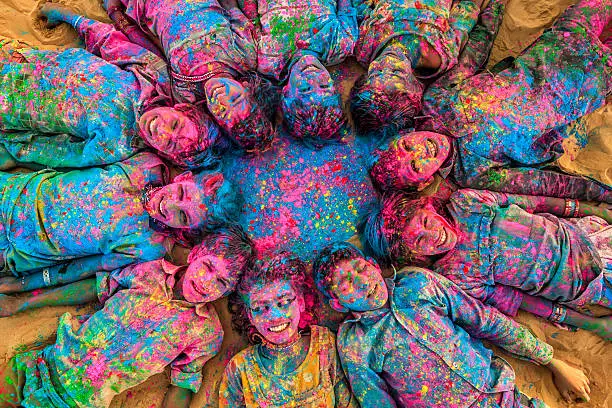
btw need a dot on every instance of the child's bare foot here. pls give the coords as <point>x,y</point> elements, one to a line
<point>9,305</point>
<point>55,13</point>
<point>571,382</point>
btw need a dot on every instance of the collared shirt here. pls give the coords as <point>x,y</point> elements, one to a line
<point>49,218</point>
<point>72,108</point>
<point>326,29</point>
<point>424,349</point>
<point>139,332</point>
<point>504,250</point>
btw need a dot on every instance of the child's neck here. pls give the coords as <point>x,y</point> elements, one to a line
<point>287,359</point>
<point>177,289</point>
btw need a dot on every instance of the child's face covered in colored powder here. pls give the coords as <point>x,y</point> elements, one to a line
<point>358,286</point>
<point>391,72</point>
<point>228,101</point>
<point>310,81</point>
<point>181,204</point>
<point>169,131</point>
<point>411,160</point>
<point>275,309</point>
<point>208,278</point>
<point>428,233</point>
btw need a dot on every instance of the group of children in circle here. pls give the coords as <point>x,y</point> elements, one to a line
<point>410,340</point>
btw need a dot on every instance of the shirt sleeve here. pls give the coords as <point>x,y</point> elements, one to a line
<point>367,385</point>
<point>342,390</point>
<point>487,323</point>
<point>230,392</point>
<point>337,38</point>
<point>108,283</point>
<point>186,370</point>
<point>462,19</point>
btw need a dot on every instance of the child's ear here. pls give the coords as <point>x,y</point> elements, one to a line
<point>422,185</point>
<point>212,183</point>
<point>335,304</point>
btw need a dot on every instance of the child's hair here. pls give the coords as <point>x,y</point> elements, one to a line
<point>382,227</point>
<point>373,110</point>
<point>210,146</point>
<point>282,266</point>
<point>315,122</point>
<point>229,242</point>
<point>257,131</point>
<point>328,259</point>
<point>223,208</point>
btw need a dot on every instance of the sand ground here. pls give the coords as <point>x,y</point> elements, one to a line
<point>523,22</point>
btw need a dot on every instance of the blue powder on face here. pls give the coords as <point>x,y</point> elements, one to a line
<point>300,199</point>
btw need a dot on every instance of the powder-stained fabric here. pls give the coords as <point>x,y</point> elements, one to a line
<point>139,332</point>
<point>72,108</point>
<point>424,350</point>
<point>326,29</point>
<point>444,25</point>
<point>317,382</point>
<point>52,218</point>
<point>503,251</point>
<point>515,115</point>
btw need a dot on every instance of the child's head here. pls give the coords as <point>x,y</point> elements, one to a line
<point>388,94</point>
<point>274,300</point>
<point>348,279</point>
<point>409,231</point>
<point>243,109</point>
<point>216,264</point>
<point>182,134</point>
<point>192,203</point>
<point>409,161</point>
<point>311,104</point>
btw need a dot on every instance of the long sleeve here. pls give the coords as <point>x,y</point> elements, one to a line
<point>230,392</point>
<point>342,391</point>
<point>462,19</point>
<point>485,322</point>
<point>339,36</point>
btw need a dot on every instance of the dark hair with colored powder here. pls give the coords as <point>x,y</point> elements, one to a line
<point>373,110</point>
<point>282,266</point>
<point>257,131</point>
<point>223,208</point>
<point>328,259</point>
<point>316,123</point>
<point>382,227</point>
<point>229,242</point>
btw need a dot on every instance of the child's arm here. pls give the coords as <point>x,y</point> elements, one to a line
<point>462,19</point>
<point>540,183</point>
<point>337,38</point>
<point>105,41</point>
<point>343,395</point>
<point>177,397</point>
<point>472,59</point>
<point>76,293</point>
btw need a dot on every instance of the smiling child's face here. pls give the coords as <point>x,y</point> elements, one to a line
<point>358,286</point>
<point>275,309</point>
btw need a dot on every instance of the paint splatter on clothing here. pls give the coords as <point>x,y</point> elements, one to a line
<point>503,251</point>
<point>326,29</point>
<point>441,24</point>
<point>198,37</point>
<point>299,199</point>
<point>423,350</point>
<point>318,382</point>
<point>139,332</point>
<point>76,109</point>
<point>51,218</point>
<point>515,116</point>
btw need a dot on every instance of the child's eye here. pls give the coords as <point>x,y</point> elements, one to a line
<point>285,302</point>
<point>180,192</point>
<point>413,166</point>
<point>223,282</point>
<point>183,218</point>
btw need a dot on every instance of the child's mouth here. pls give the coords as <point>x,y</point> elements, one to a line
<point>432,147</point>
<point>371,291</point>
<point>442,238</point>
<point>279,328</point>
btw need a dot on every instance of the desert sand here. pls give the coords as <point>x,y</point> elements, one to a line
<point>523,22</point>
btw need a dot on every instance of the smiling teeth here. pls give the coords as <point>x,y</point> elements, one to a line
<point>279,328</point>
<point>371,291</point>
<point>432,147</point>
<point>442,237</point>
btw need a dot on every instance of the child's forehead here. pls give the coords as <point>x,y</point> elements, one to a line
<point>269,291</point>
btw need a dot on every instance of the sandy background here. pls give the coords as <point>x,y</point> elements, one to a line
<point>523,22</point>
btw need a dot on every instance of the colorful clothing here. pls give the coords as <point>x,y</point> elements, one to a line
<point>503,251</point>
<point>199,38</point>
<point>442,24</point>
<point>73,108</point>
<point>317,382</point>
<point>515,116</point>
<point>423,350</point>
<point>51,218</point>
<point>326,29</point>
<point>139,332</point>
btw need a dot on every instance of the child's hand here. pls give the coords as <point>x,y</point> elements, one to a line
<point>571,382</point>
<point>55,13</point>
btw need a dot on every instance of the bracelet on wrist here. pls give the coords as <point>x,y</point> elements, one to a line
<point>558,314</point>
